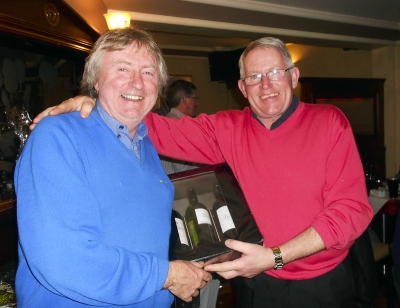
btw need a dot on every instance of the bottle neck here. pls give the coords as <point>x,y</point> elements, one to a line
<point>193,201</point>
<point>192,197</point>
<point>218,196</point>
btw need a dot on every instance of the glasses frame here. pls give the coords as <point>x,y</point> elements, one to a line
<point>267,75</point>
<point>194,97</point>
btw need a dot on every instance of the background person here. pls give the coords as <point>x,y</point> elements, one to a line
<point>301,174</point>
<point>181,97</point>
<point>94,204</point>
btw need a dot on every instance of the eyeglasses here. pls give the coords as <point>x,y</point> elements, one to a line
<point>274,75</point>
<point>194,97</point>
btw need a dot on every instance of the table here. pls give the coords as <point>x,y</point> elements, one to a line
<point>377,203</point>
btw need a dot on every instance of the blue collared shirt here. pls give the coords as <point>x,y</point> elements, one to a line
<point>122,132</point>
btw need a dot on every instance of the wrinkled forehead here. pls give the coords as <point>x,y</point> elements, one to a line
<point>135,47</point>
<point>268,57</point>
<point>141,47</point>
<point>264,51</point>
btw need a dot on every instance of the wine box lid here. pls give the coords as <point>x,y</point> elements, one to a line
<point>203,180</point>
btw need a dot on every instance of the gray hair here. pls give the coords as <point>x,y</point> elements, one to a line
<point>266,42</point>
<point>177,90</point>
<point>119,39</point>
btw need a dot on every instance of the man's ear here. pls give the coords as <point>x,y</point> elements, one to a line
<point>295,75</point>
<point>183,100</point>
<point>242,88</point>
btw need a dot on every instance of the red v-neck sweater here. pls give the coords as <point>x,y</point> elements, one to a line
<point>306,172</point>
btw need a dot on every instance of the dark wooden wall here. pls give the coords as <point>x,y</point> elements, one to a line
<point>370,146</point>
<point>49,28</point>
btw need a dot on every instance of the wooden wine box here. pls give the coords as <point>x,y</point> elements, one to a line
<point>203,181</point>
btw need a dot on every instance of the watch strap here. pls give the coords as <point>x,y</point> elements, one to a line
<point>278,258</point>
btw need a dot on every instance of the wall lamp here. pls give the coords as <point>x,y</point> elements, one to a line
<point>118,20</point>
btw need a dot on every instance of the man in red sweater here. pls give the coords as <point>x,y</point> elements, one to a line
<point>300,171</point>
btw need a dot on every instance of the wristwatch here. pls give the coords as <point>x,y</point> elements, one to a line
<point>278,258</point>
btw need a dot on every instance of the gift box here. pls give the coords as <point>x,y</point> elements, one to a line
<point>209,207</point>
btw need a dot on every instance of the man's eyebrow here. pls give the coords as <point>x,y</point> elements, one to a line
<point>121,61</point>
<point>149,66</point>
<point>258,71</point>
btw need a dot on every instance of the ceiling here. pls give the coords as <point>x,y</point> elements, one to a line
<point>201,26</point>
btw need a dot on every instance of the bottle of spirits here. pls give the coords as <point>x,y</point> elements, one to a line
<point>199,221</point>
<point>223,214</point>
<point>181,227</point>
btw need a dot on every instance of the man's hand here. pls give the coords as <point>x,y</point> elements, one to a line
<point>84,104</point>
<point>254,260</point>
<point>186,278</point>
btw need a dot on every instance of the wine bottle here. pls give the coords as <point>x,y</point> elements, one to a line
<point>181,226</point>
<point>199,221</point>
<point>223,214</point>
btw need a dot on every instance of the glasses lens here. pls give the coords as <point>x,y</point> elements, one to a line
<point>252,80</point>
<point>273,75</point>
<point>276,74</point>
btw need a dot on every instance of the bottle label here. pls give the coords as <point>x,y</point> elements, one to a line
<point>225,219</point>
<point>203,217</point>
<point>193,233</point>
<point>181,231</point>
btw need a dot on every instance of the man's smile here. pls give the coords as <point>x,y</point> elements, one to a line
<point>132,97</point>
<point>270,95</point>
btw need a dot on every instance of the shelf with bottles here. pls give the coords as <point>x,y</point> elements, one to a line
<point>209,207</point>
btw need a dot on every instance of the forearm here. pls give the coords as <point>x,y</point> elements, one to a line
<point>256,259</point>
<point>303,245</point>
<point>171,138</point>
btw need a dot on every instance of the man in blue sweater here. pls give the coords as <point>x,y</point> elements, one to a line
<point>94,204</point>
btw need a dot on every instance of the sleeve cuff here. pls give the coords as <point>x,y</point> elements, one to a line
<point>163,268</point>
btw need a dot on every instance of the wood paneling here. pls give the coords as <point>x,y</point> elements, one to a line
<point>371,146</point>
<point>51,22</point>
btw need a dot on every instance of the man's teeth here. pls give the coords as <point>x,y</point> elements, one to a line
<point>132,97</point>
<point>270,95</point>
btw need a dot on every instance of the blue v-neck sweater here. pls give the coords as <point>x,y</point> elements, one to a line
<point>93,219</point>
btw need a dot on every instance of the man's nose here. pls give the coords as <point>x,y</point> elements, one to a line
<point>136,81</point>
<point>265,82</point>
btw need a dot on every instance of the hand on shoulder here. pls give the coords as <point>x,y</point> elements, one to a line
<point>81,103</point>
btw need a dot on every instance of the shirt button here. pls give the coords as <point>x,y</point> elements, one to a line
<point>119,136</point>
<point>121,127</point>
